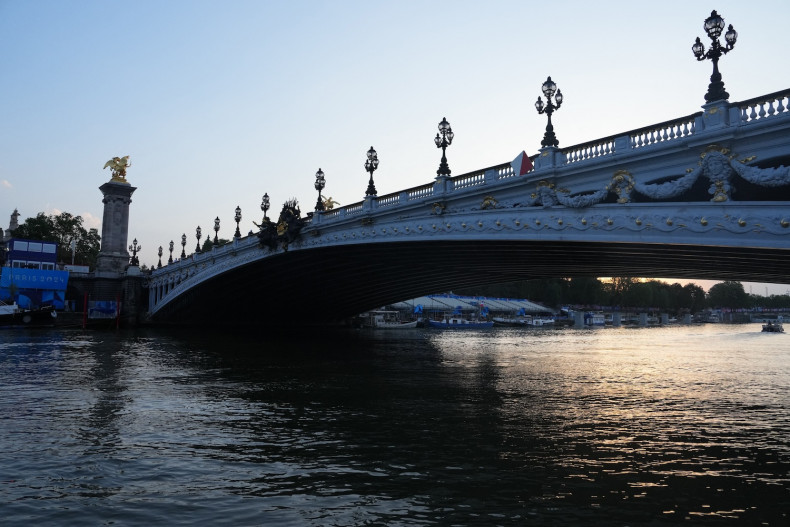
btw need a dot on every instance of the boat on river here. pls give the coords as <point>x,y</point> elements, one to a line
<point>459,322</point>
<point>773,327</point>
<point>523,321</point>
<point>384,319</point>
<point>11,315</point>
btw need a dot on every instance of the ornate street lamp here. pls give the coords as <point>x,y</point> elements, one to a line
<point>320,183</point>
<point>159,265</point>
<point>183,245</point>
<point>170,260</point>
<point>371,165</point>
<point>265,205</point>
<point>135,249</point>
<point>237,217</point>
<point>198,234</point>
<point>549,89</point>
<point>443,141</point>
<point>714,25</point>
<point>216,230</point>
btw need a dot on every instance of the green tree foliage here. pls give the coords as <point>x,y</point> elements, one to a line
<point>728,294</point>
<point>209,243</point>
<point>63,228</point>
<point>771,302</point>
<point>693,298</point>
<point>621,292</point>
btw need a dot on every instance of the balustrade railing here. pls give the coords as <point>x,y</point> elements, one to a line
<point>420,192</point>
<point>389,199</point>
<point>773,104</point>
<point>663,132</point>
<point>590,150</point>
<point>355,208</point>
<point>473,179</point>
<point>506,171</point>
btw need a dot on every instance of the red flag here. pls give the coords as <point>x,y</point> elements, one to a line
<point>522,164</point>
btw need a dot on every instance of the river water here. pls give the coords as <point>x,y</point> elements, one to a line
<point>626,426</point>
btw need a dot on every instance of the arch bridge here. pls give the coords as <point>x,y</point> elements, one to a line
<point>704,196</point>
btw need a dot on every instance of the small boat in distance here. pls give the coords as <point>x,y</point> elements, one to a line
<point>594,319</point>
<point>523,321</point>
<point>773,327</point>
<point>383,319</point>
<point>459,322</point>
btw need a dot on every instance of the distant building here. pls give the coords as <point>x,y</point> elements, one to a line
<point>30,277</point>
<point>12,225</point>
<point>32,254</point>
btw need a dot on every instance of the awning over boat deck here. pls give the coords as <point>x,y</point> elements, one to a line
<point>448,302</point>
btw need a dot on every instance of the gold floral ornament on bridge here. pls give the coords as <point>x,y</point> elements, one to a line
<point>489,202</point>
<point>622,184</point>
<point>118,166</point>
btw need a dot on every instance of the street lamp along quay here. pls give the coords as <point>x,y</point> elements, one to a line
<point>159,265</point>
<point>714,25</point>
<point>198,234</point>
<point>237,217</point>
<point>320,183</point>
<point>443,141</point>
<point>549,88</point>
<point>183,245</point>
<point>216,231</point>
<point>170,259</point>
<point>371,165</point>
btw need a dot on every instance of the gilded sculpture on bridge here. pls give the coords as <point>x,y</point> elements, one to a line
<point>118,166</point>
<point>285,231</point>
<point>329,203</point>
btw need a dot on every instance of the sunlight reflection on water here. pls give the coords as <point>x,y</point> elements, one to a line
<point>425,427</point>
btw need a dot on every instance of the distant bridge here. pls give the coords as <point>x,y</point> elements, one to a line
<point>702,196</point>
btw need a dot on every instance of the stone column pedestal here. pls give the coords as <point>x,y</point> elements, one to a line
<point>113,256</point>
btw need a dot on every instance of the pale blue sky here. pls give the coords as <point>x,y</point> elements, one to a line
<point>219,102</point>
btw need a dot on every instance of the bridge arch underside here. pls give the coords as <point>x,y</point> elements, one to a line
<point>329,285</point>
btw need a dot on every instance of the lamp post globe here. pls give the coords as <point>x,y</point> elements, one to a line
<point>135,248</point>
<point>198,234</point>
<point>183,245</point>
<point>216,230</point>
<point>265,205</point>
<point>170,259</point>
<point>237,217</point>
<point>443,139</point>
<point>549,89</point>
<point>319,185</point>
<point>159,265</point>
<point>371,164</point>
<point>713,26</point>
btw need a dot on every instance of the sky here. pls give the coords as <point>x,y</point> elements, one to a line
<point>218,102</point>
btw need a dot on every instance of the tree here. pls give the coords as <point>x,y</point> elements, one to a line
<point>63,228</point>
<point>640,295</point>
<point>693,297</point>
<point>728,294</point>
<point>586,290</point>
<point>209,243</point>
